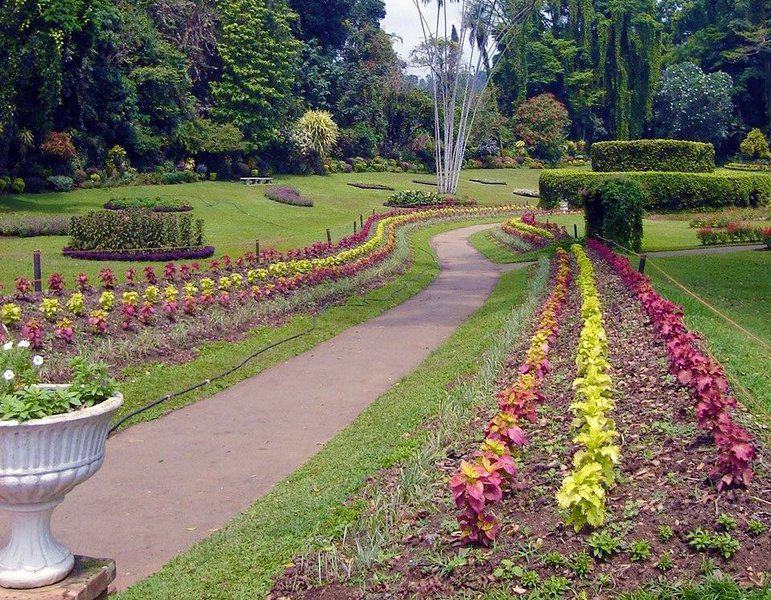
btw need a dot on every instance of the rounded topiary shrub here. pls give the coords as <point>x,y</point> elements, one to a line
<point>613,210</point>
<point>653,155</point>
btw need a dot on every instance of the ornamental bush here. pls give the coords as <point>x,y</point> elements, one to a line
<point>134,229</point>
<point>415,198</point>
<point>653,155</point>
<point>614,211</point>
<point>755,146</point>
<point>664,191</point>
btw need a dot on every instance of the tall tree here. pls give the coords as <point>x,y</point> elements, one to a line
<point>601,58</point>
<point>259,62</point>
<point>733,36</point>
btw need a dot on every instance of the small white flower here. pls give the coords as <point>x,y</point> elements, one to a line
<point>8,346</point>
<point>37,360</point>
<point>9,375</point>
<point>24,344</point>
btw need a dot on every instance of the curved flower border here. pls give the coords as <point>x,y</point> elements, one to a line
<point>480,481</point>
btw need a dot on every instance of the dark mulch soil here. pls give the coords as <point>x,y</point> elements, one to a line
<point>488,181</point>
<point>662,481</point>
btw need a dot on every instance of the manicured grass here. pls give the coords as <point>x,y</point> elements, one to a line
<point>240,560</point>
<point>143,384</point>
<point>496,252</point>
<point>236,215</point>
<point>737,284</point>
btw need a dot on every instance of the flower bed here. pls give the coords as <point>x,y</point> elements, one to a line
<point>537,235</point>
<point>734,233</point>
<point>149,298</point>
<point>697,370</point>
<point>370,186</point>
<point>159,255</point>
<point>287,195</point>
<point>481,481</point>
<point>582,495</point>
<point>666,525</point>
<point>156,204</point>
<point>33,226</point>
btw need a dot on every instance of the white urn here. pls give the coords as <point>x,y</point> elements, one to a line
<point>41,461</point>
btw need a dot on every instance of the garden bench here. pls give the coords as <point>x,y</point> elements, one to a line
<point>256,180</point>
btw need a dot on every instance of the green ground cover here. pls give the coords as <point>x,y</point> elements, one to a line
<point>737,284</point>
<point>240,560</point>
<point>237,215</point>
<point>143,384</point>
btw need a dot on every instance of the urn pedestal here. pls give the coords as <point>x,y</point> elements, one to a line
<point>40,462</point>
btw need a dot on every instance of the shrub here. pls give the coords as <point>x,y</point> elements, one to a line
<point>60,183</point>
<point>414,198</point>
<point>664,191</point>
<point>614,210</point>
<point>58,145</point>
<point>653,155</point>
<point>174,177</point>
<point>542,122</point>
<point>17,186</point>
<point>287,195</point>
<point>315,133</point>
<point>755,146</point>
<point>156,204</point>
<point>134,229</point>
<point>24,226</point>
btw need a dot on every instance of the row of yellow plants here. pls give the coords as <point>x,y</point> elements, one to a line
<point>520,225</point>
<point>582,495</point>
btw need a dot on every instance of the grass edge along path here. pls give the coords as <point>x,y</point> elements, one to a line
<point>242,559</point>
<point>150,381</point>
<point>743,359</point>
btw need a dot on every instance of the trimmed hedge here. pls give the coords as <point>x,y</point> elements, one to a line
<point>653,155</point>
<point>664,191</point>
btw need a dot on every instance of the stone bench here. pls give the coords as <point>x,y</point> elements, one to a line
<point>256,180</point>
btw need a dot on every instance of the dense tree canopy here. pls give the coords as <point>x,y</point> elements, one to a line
<point>225,82</point>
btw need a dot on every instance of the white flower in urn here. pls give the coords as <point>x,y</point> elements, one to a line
<point>24,344</point>
<point>37,360</point>
<point>9,375</point>
<point>8,346</point>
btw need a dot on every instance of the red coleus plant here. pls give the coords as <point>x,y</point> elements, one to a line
<point>696,370</point>
<point>109,280</point>
<point>480,481</point>
<point>56,284</point>
<point>23,287</point>
<point>32,331</point>
<point>81,282</point>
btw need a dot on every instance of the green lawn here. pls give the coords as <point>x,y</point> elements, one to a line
<point>739,285</point>
<point>241,560</point>
<point>237,215</point>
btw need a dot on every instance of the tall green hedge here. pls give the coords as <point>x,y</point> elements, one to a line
<point>653,155</point>
<point>664,191</point>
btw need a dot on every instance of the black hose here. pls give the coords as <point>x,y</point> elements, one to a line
<point>222,375</point>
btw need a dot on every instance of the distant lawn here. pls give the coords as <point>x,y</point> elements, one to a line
<point>738,284</point>
<point>237,215</point>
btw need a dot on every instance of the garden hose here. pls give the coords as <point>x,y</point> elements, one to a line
<point>222,375</point>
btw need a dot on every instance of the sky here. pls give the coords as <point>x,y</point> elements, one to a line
<point>402,19</point>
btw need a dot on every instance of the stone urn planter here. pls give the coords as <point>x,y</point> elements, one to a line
<point>40,461</point>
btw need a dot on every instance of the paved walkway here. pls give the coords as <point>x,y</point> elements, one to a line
<point>169,483</point>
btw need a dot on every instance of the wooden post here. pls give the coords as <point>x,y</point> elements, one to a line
<point>257,250</point>
<point>38,271</point>
<point>361,221</point>
<point>354,227</point>
<point>575,230</point>
<point>641,266</point>
<point>329,237</point>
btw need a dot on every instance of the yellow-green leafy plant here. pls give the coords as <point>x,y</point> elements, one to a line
<point>76,304</point>
<point>315,132</point>
<point>107,300</point>
<point>50,307</point>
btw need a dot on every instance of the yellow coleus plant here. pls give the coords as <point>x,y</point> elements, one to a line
<point>582,495</point>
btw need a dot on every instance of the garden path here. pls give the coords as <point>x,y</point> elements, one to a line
<point>168,483</point>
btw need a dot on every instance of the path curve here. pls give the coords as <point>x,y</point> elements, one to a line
<point>169,483</point>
